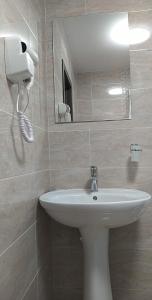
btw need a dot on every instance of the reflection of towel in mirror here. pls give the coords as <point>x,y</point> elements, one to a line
<point>67,116</point>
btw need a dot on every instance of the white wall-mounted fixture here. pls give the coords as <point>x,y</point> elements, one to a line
<point>20,63</point>
<point>19,60</point>
<point>135,150</point>
<point>94,213</point>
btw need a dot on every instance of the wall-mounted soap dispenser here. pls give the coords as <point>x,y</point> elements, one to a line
<point>20,63</point>
<point>135,150</point>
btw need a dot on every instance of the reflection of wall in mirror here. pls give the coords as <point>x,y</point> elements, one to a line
<point>93,99</point>
<point>61,52</point>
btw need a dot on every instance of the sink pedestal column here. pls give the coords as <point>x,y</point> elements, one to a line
<point>96,272</point>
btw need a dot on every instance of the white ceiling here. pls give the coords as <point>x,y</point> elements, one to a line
<point>91,47</point>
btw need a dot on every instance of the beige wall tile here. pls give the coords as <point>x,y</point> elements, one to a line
<point>68,140</point>
<point>132,294</point>
<point>18,266</point>
<point>93,101</point>
<point>14,159</point>
<point>44,283</point>
<point>67,293</point>
<point>70,256</point>
<point>141,69</point>
<point>84,110</point>
<point>67,268</point>
<point>43,240</point>
<point>84,86</point>
<point>142,20</point>
<point>18,205</point>
<point>111,148</point>
<point>72,178</point>
<point>41,151</point>
<point>23,158</point>
<point>64,8</point>
<point>131,269</point>
<point>22,6</point>
<point>72,277</point>
<point>132,176</point>
<point>31,293</point>
<point>117,5</point>
<point>141,103</point>
<point>5,120</point>
<point>66,148</point>
<point>9,12</point>
<point>131,237</point>
<point>64,236</point>
<point>70,158</point>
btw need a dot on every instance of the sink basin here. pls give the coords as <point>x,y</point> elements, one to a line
<point>94,214</point>
<point>108,207</point>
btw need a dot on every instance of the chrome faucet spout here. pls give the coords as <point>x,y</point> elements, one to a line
<point>94,185</point>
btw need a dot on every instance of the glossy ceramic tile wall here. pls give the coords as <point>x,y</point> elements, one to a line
<point>93,103</point>
<point>24,171</point>
<point>74,147</point>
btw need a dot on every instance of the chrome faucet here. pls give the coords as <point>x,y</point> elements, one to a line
<point>94,185</point>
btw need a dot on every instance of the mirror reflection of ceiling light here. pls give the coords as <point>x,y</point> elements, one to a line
<point>121,34</point>
<point>116,91</point>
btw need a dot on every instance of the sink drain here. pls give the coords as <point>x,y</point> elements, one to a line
<point>95,198</point>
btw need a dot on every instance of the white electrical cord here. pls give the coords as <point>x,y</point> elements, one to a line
<point>24,123</point>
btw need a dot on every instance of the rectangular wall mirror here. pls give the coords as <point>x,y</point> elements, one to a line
<point>91,68</point>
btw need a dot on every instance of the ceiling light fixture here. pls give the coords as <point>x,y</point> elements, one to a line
<point>138,35</point>
<point>120,34</point>
<point>115,91</point>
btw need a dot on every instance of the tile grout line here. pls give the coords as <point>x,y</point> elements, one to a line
<point>85,7</point>
<point>25,174</point>
<point>102,168</point>
<point>16,240</point>
<point>99,11</point>
<point>30,284</point>
<point>26,22</point>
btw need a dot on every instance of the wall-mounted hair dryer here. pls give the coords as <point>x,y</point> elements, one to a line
<point>20,63</point>
<point>19,59</point>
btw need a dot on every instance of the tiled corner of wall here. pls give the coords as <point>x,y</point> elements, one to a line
<point>24,168</point>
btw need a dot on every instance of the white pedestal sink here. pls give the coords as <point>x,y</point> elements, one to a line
<point>94,214</point>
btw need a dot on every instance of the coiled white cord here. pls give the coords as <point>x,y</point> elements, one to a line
<point>25,127</point>
<point>24,123</point>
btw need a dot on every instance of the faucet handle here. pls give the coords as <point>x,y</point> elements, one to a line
<point>93,171</point>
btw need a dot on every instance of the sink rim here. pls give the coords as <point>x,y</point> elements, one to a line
<point>45,198</point>
<point>89,214</point>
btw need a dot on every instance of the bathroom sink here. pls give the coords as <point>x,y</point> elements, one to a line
<point>107,207</point>
<point>94,214</point>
